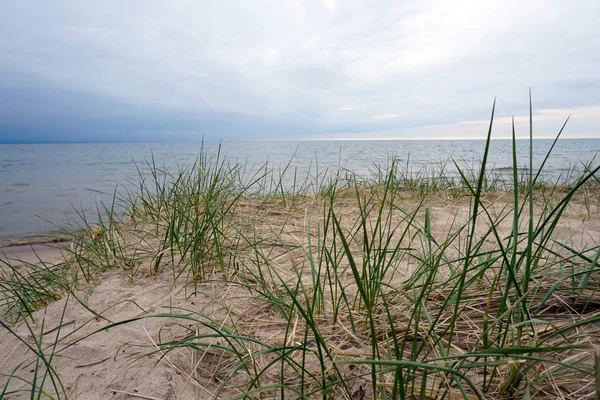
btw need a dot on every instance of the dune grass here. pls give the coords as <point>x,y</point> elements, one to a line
<point>363,296</point>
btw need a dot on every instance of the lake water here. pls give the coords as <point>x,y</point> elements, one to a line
<point>40,184</point>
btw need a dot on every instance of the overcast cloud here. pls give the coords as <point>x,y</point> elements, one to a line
<point>157,70</point>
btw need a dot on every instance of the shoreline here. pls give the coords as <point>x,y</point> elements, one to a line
<point>37,240</point>
<point>32,254</point>
<point>39,207</point>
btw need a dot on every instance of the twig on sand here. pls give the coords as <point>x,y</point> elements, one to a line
<point>141,396</point>
<point>94,363</point>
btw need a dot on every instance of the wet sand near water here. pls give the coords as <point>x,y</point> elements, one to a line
<point>31,254</point>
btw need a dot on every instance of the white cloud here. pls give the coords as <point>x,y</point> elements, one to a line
<point>584,122</point>
<point>330,4</point>
<point>385,116</point>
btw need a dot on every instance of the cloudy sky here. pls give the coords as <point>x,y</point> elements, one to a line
<point>381,69</point>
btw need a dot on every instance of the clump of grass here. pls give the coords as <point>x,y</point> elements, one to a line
<point>28,286</point>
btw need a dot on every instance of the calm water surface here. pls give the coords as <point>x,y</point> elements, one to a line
<point>41,184</point>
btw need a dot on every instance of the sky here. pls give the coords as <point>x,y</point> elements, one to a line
<point>74,71</point>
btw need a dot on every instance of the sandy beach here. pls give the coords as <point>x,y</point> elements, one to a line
<point>147,325</point>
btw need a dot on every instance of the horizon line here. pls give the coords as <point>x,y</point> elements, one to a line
<point>294,140</point>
